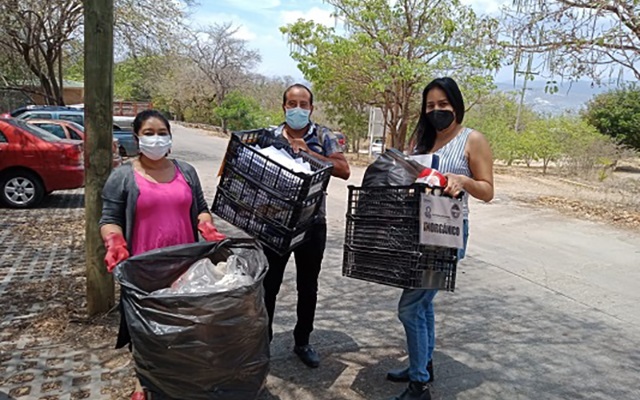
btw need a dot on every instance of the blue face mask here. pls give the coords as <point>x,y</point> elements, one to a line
<point>297,118</point>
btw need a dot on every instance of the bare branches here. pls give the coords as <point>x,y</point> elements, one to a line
<point>149,26</point>
<point>576,37</point>
<point>222,59</point>
<point>36,31</point>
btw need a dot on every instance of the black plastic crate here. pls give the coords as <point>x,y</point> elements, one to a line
<point>432,267</point>
<point>395,234</point>
<point>382,240</point>
<point>387,201</point>
<point>289,185</point>
<point>266,203</point>
<point>279,239</point>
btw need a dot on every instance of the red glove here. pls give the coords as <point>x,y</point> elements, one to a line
<point>432,178</point>
<point>116,250</point>
<point>209,232</point>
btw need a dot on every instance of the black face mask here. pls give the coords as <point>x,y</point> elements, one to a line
<point>440,119</point>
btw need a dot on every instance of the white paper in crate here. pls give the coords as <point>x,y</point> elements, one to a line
<point>283,158</point>
<point>428,160</point>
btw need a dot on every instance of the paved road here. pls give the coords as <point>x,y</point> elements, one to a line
<point>546,307</point>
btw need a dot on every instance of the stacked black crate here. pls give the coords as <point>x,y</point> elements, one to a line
<point>382,240</point>
<point>271,202</point>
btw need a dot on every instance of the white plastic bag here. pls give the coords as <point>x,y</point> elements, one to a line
<point>205,277</point>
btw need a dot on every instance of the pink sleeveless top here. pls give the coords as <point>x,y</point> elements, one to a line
<point>162,216</point>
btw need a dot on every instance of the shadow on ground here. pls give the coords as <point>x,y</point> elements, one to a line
<point>498,337</point>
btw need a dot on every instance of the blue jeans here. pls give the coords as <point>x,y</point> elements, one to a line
<point>415,311</point>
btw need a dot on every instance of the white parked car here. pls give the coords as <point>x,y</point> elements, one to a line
<point>377,146</point>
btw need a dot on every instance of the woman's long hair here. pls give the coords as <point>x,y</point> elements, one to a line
<point>425,134</point>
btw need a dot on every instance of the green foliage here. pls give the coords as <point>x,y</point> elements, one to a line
<point>584,149</point>
<point>576,147</point>
<point>132,78</point>
<point>389,53</point>
<point>568,141</point>
<point>73,61</point>
<point>540,141</point>
<point>499,128</point>
<point>241,112</point>
<point>75,72</point>
<point>617,114</point>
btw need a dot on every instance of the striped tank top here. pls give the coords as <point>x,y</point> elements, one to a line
<point>453,160</point>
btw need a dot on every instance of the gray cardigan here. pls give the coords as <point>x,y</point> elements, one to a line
<point>120,196</point>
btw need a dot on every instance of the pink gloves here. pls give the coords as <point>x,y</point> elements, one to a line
<point>116,250</point>
<point>210,233</point>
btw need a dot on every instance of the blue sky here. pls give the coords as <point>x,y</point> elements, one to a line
<point>259,22</point>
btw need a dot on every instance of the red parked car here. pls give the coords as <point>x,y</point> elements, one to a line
<point>71,130</point>
<point>33,163</point>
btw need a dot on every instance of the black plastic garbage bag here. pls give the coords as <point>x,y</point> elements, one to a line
<point>392,168</point>
<point>196,346</point>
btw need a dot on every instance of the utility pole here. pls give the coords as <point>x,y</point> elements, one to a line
<point>98,109</point>
<point>528,75</point>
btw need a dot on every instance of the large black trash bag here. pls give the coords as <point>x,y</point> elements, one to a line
<point>197,346</point>
<point>392,168</point>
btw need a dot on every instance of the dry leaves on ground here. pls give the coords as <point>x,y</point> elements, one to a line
<point>63,230</point>
<point>614,213</point>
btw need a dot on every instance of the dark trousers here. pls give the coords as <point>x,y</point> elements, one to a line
<point>308,257</point>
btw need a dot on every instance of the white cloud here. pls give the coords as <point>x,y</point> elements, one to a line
<point>250,5</point>
<point>245,33</point>
<point>275,56</point>
<point>242,26</point>
<point>316,14</point>
<point>265,38</point>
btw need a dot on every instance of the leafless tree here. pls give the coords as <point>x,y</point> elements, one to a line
<point>36,31</point>
<point>149,26</point>
<point>599,39</point>
<point>224,60</point>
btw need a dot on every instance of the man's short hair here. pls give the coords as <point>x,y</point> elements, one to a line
<point>300,86</point>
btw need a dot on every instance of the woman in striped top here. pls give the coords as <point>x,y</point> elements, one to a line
<point>466,161</point>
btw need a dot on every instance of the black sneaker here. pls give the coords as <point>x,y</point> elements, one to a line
<point>415,391</point>
<point>308,355</point>
<point>402,375</point>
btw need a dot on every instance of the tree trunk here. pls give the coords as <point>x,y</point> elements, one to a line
<point>61,76</point>
<point>402,134</point>
<point>53,81</point>
<point>98,70</point>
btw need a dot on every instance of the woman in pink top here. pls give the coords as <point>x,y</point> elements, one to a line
<point>152,202</point>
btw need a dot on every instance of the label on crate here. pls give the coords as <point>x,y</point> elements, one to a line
<point>441,221</point>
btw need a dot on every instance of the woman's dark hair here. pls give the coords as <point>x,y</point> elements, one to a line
<point>143,116</point>
<point>299,86</point>
<point>425,134</point>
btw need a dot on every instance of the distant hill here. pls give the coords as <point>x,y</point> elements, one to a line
<point>572,96</point>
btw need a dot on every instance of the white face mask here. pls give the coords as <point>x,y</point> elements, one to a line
<point>155,147</point>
